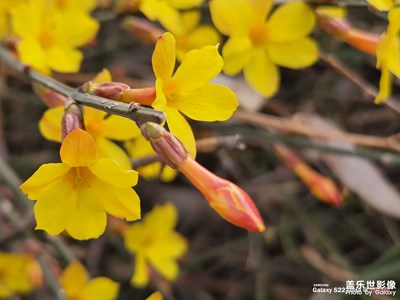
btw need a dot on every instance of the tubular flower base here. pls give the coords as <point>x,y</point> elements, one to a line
<point>75,195</point>
<point>227,199</point>
<point>359,39</point>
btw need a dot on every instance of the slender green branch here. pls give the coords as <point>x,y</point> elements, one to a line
<point>138,114</point>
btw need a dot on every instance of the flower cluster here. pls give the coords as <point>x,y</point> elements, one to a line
<point>47,41</point>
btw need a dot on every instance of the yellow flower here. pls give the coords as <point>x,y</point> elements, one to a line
<point>17,274</point>
<point>138,148</point>
<point>258,46</point>
<point>76,5</point>
<point>47,39</point>
<point>5,9</point>
<point>77,285</point>
<point>166,11</point>
<point>388,55</point>
<point>155,244</point>
<point>188,90</point>
<point>383,4</point>
<point>191,35</point>
<point>76,194</point>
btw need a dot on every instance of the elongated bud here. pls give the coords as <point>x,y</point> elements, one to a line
<point>227,199</point>
<point>142,29</point>
<point>340,28</point>
<point>320,186</point>
<point>72,118</point>
<point>109,90</point>
<point>166,145</point>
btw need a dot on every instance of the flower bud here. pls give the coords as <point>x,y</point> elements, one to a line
<point>320,186</point>
<point>166,145</point>
<point>49,97</point>
<point>227,199</point>
<point>109,90</point>
<point>72,118</point>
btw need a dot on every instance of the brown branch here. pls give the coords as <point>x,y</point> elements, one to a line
<point>368,89</point>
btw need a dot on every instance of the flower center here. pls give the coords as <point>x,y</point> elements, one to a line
<point>46,38</point>
<point>78,181</point>
<point>258,35</point>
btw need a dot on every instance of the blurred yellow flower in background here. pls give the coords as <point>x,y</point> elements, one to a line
<point>49,34</point>
<point>19,274</point>
<point>258,46</point>
<point>78,286</point>
<point>388,55</point>
<point>155,244</point>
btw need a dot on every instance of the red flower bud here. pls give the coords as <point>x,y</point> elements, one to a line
<point>72,118</point>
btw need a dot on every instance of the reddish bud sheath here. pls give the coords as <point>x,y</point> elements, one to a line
<point>72,118</point>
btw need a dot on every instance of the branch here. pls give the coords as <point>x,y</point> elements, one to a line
<point>137,114</point>
<point>367,88</point>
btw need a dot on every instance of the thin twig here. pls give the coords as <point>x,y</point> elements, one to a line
<point>293,126</point>
<point>367,88</point>
<point>139,114</point>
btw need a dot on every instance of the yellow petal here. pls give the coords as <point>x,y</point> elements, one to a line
<point>161,11</point>
<point>112,173</point>
<point>102,77</point>
<point>290,22</point>
<point>32,53</point>
<point>200,37</point>
<point>26,18</point>
<point>81,33</point>
<point>101,288</point>
<point>155,296</point>
<point>206,63</point>
<point>173,246</point>
<point>385,86</point>
<point>163,58</point>
<point>211,102</point>
<point>382,4</point>
<point>50,124</point>
<point>297,54</point>
<point>73,279</point>
<point>190,20</point>
<point>45,176</point>
<point>122,204</point>
<point>162,218</point>
<point>181,129</point>
<point>261,8</point>
<point>160,103</point>
<point>185,4</point>
<point>119,128</point>
<point>54,207</point>
<point>140,276</point>
<point>234,17</point>
<point>262,74</point>
<point>78,149</point>
<point>108,149</point>
<point>168,268</point>
<point>64,59</point>
<point>394,22</point>
<point>336,12</point>
<point>88,220</point>
<point>236,53</point>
